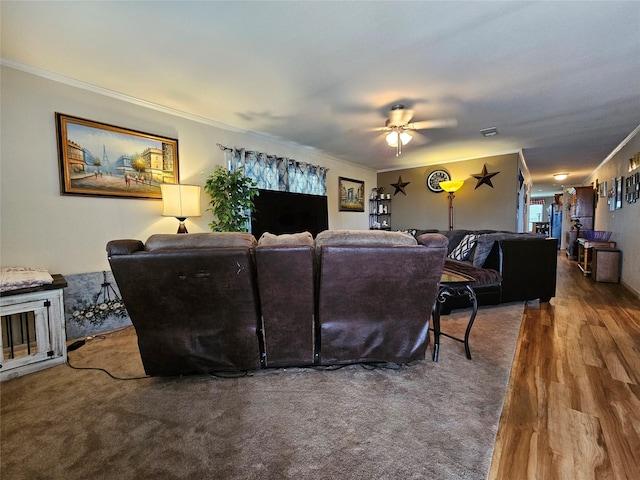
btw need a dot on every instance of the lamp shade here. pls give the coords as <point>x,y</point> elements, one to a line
<point>451,185</point>
<point>180,201</point>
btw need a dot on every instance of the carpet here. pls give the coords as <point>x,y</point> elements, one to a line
<point>425,420</point>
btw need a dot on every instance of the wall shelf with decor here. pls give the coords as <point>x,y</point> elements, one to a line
<point>380,213</point>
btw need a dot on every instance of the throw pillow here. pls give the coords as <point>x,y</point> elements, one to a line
<point>454,237</point>
<point>302,238</point>
<point>463,249</point>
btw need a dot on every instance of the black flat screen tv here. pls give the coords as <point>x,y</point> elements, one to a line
<point>285,212</point>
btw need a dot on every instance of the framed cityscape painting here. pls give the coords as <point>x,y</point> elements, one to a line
<point>98,159</point>
<point>351,195</point>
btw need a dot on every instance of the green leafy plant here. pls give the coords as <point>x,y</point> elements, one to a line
<point>231,199</point>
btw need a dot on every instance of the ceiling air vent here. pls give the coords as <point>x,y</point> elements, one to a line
<point>489,132</point>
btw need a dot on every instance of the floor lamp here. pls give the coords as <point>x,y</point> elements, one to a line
<point>451,186</point>
<point>180,201</point>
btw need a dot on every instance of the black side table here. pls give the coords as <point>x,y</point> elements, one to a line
<point>453,284</point>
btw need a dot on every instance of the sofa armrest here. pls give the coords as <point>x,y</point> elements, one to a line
<point>124,247</point>
<point>434,240</point>
<point>528,268</point>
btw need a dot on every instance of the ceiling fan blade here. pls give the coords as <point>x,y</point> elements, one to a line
<point>379,129</point>
<point>443,123</point>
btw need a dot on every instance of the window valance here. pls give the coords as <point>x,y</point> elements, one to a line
<point>271,172</point>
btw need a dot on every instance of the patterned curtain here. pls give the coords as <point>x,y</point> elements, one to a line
<point>278,173</point>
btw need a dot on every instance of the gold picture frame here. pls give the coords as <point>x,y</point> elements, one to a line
<point>98,159</point>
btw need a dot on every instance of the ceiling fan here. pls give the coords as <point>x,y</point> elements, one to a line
<point>399,123</point>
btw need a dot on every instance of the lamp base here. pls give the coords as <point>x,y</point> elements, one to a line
<point>451,197</point>
<point>182,228</point>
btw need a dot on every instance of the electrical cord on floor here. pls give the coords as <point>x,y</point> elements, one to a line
<point>230,374</point>
<point>79,343</point>
<point>383,366</point>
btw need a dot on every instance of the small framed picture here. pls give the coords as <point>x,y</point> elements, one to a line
<point>603,189</point>
<point>351,195</point>
<point>619,182</point>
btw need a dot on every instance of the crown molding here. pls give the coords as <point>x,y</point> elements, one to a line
<point>117,95</point>
<point>622,144</point>
<point>164,109</point>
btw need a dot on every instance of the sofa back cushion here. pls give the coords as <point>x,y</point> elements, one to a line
<point>303,238</point>
<point>199,240</point>
<point>371,238</point>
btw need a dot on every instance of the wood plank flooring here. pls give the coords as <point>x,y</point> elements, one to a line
<point>572,409</point>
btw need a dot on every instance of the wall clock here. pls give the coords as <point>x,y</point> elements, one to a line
<point>434,179</point>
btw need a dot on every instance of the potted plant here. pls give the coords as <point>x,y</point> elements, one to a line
<point>231,199</point>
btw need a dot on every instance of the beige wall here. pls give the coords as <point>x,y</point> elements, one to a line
<point>625,222</point>
<point>68,234</point>
<point>481,208</point>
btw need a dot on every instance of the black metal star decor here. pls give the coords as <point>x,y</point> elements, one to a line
<point>400,186</point>
<point>484,177</point>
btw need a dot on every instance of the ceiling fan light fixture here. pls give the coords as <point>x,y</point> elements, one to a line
<point>560,176</point>
<point>392,138</point>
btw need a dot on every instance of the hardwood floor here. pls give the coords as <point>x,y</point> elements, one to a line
<point>572,409</point>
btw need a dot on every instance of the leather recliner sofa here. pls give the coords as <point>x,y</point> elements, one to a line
<point>224,302</point>
<point>507,267</point>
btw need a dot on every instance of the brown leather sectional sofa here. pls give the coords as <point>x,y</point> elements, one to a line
<point>224,302</point>
<point>507,266</point>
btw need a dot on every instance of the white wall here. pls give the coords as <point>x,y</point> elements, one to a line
<point>68,234</point>
<point>625,222</point>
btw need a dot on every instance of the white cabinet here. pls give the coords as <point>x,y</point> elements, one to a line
<point>33,329</point>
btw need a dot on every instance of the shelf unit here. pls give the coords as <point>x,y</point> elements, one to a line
<point>380,213</point>
<point>582,207</point>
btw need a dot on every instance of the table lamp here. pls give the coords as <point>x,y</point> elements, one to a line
<point>180,201</point>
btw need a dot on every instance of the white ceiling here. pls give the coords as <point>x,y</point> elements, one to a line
<point>560,80</point>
